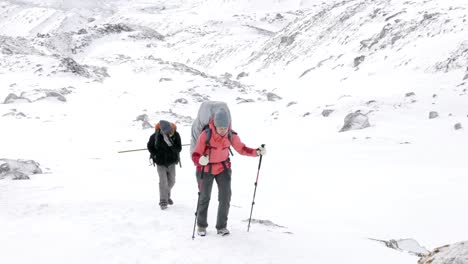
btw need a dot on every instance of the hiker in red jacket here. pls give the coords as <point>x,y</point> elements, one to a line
<point>212,156</point>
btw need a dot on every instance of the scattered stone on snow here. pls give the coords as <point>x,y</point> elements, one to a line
<point>181,101</point>
<point>327,112</point>
<point>433,114</point>
<point>143,117</point>
<point>264,222</point>
<point>91,72</point>
<point>18,169</point>
<point>272,97</point>
<point>242,75</point>
<point>354,121</point>
<point>408,245</point>
<point>15,113</point>
<point>359,60</point>
<point>146,125</point>
<point>244,100</point>
<point>13,98</point>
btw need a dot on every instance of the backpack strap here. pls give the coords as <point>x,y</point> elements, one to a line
<point>208,136</point>
<point>230,133</point>
<point>208,146</point>
<point>156,136</point>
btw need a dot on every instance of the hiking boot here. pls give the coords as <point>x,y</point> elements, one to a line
<point>223,231</point>
<point>170,202</point>
<point>163,204</point>
<point>201,231</point>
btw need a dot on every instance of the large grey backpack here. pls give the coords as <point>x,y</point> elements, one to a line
<point>205,114</point>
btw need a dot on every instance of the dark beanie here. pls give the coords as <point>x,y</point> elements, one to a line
<point>166,127</point>
<point>221,119</point>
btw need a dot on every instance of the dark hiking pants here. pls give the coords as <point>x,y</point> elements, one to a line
<point>166,181</point>
<point>223,180</point>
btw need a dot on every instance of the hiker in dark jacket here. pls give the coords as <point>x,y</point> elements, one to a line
<point>165,146</point>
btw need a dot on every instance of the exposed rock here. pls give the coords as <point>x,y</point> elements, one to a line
<point>82,31</point>
<point>226,75</point>
<point>147,33</point>
<point>291,103</point>
<point>17,45</point>
<point>114,28</point>
<point>70,65</point>
<point>433,114</point>
<point>262,31</point>
<point>359,60</point>
<point>17,175</point>
<point>15,114</point>
<point>408,245</point>
<point>13,98</point>
<point>410,94</point>
<point>327,112</point>
<point>242,75</point>
<point>55,95</point>
<point>146,125</point>
<point>163,79</point>
<point>18,169</point>
<point>143,117</point>
<point>230,84</point>
<point>457,126</point>
<point>181,101</point>
<point>264,222</point>
<point>457,59</point>
<point>273,97</point>
<point>355,120</point>
<point>288,40</point>
<point>449,254</point>
<point>244,100</point>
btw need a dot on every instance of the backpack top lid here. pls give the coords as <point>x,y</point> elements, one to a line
<point>157,127</point>
<point>205,115</point>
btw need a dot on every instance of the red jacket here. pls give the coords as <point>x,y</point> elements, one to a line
<point>218,150</point>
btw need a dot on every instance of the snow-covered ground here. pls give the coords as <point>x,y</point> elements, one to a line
<point>88,78</point>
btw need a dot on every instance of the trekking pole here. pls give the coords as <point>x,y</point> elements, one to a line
<point>131,150</point>
<point>255,190</point>
<point>200,186</point>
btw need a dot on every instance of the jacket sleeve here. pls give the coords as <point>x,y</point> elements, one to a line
<point>150,145</point>
<point>241,148</point>
<point>177,142</point>
<point>200,148</point>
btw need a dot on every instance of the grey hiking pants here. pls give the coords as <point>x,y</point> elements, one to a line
<point>223,180</point>
<point>166,181</point>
